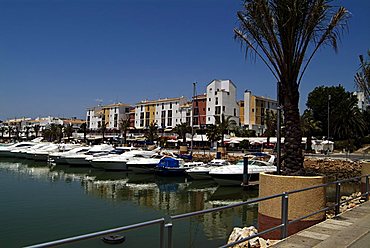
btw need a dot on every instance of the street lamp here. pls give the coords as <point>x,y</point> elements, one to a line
<point>329,98</point>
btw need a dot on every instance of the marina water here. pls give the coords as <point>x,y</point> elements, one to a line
<point>40,203</point>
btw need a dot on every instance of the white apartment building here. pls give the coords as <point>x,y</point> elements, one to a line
<point>221,99</point>
<point>255,109</point>
<point>164,112</point>
<point>110,114</point>
<point>363,103</point>
<point>94,118</point>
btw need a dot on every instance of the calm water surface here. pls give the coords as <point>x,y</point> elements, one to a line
<point>41,203</point>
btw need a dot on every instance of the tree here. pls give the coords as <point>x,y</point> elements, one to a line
<point>68,131</point>
<point>285,35</point>
<point>2,130</point>
<point>182,129</point>
<point>36,129</point>
<point>348,121</point>
<point>83,129</point>
<point>151,132</point>
<point>27,132</point>
<point>123,127</point>
<point>212,133</point>
<point>271,122</point>
<point>309,126</point>
<point>362,77</point>
<point>103,129</point>
<point>318,101</point>
<point>223,125</point>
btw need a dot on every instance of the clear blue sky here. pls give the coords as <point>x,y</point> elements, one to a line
<point>57,57</point>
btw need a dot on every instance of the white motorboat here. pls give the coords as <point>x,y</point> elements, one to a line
<point>6,151</point>
<point>80,159</point>
<point>24,153</point>
<point>60,157</point>
<point>42,154</point>
<point>201,171</point>
<point>119,162</point>
<point>115,152</point>
<point>144,164</point>
<point>232,175</point>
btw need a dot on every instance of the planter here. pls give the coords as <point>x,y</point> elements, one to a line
<point>365,170</point>
<point>300,204</point>
<point>222,150</point>
<point>183,149</point>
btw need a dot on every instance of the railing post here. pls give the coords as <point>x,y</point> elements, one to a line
<point>337,198</point>
<point>284,215</point>
<point>169,235</point>
<point>161,234</point>
<point>367,188</point>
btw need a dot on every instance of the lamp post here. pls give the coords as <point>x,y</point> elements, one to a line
<point>329,98</point>
<point>278,127</point>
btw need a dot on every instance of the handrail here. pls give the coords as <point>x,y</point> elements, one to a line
<point>283,226</point>
<point>103,233</point>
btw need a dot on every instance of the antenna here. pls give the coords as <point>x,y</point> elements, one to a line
<point>99,101</point>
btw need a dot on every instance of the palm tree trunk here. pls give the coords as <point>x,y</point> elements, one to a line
<point>293,162</point>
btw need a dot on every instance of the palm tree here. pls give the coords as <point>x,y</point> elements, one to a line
<point>36,129</point>
<point>348,121</point>
<point>2,130</point>
<point>103,129</point>
<point>68,131</point>
<point>309,126</point>
<point>182,129</point>
<point>213,133</point>
<point>83,129</point>
<point>285,35</point>
<point>362,77</point>
<point>10,131</point>
<point>223,124</point>
<point>151,132</point>
<point>271,121</point>
<point>27,132</point>
<point>123,127</point>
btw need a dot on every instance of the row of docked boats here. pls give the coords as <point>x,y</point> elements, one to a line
<point>157,161</point>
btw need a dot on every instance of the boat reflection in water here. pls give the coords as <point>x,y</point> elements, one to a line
<point>158,196</point>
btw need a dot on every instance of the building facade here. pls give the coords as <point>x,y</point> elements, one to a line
<point>165,113</point>
<point>221,100</point>
<point>255,109</point>
<point>111,115</point>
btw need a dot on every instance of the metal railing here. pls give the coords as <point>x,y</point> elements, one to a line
<point>160,222</point>
<point>283,226</point>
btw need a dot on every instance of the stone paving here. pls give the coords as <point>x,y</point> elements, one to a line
<point>349,229</point>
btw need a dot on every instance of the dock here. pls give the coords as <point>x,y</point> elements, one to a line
<point>349,229</point>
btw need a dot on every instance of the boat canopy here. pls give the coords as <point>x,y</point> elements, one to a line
<point>168,162</point>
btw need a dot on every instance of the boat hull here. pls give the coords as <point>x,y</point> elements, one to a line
<point>77,161</point>
<point>199,175</point>
<point>142,168</point>
<point>109,165</point>
<point>232,179</point>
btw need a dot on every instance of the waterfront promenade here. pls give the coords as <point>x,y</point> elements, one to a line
<point>349,229</point>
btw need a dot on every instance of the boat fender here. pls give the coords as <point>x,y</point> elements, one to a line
<point>114,239</point>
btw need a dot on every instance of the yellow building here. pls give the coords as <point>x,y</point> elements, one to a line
<point>255,109</point>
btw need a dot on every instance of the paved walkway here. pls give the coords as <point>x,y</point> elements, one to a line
<point>350,229</point>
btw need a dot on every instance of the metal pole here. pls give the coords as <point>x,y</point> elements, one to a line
<point>161,234</point>
<point>245,172</point>
<point>169,235</point>
<point>284,215</point>
<point>278,141</point>
<point>367,188</point>
<point>192,118</point>
<point>337,198</point>
<point>329,98</point>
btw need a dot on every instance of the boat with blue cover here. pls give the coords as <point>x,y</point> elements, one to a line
<point>169,166</point>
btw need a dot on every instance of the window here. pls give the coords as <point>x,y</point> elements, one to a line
<point>218,110</point>
<point>234,112</point>
<point>171,105</point>
<point>141,108</point>
<point>209,118</point>
<point>209,99</point>
<point>216,100</point>
<point>223,108</point>
<point>209,109</point>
